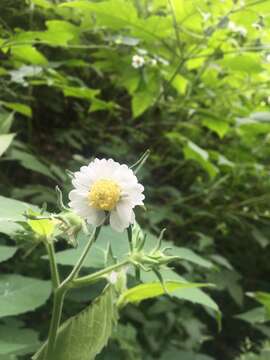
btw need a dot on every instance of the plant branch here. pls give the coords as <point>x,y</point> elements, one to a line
<point>75,271</point>
<point>55,321</point>
<point>90,279</point>
<point>53,264</point>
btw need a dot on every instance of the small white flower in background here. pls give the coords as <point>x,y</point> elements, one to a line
<point>257,26</point>
<point>138,61</point>
<point>153,62</point>
<point>141,51</point>
<point>163,61</point>
<point>106,187</point>
<point>237,29</point>
<point>112,277</point>
<point>206,16</point>
<point>267,58</point>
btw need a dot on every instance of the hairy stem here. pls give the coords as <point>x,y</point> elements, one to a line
<point>58,300</point>
<point>53,264</point>
<point>90,279</point>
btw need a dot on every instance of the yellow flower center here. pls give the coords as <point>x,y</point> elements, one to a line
<point>104,195</point>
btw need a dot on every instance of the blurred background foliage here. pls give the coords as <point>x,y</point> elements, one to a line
<point>187,79</point>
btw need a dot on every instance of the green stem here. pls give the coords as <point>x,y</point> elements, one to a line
<point>58,300</point>
<point>89,279</point>
<point>53,264</point>
<point>80,262</point>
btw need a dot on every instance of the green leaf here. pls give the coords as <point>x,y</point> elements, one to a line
<point>6,252</point>
<point>96,257</point>
<point>80,92</point>
<point>83,336</point>
<point>11,212</point>
<point>141,101</point>
<point>264,299</point>
<point>15,340</point>
<point>107,12</point>
<point>28,54</point>
<point>59,33</point>
<point>43,228</point>
<point>31,162</point>
<point>189,255</point>
<point>249,63</point>
<point>201,156</point>
<point>255,316</point>
<point>194,295</point>
<point>6,120</point>
<point>174,354</point>
<point>18,107</point>
<point>151,290</point>
<point>218,126</point>
<point>20,294</point>
<point>45,4</point>
<point>5,141</point>
<point>180,84</point>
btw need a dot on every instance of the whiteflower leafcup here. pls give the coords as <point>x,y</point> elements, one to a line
<point>105,187</point>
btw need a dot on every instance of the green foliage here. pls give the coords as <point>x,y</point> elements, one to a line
<point>6,252</point>
<point>84,336</point>
<point>19,294</point>
<point>151,290</point>
<point>16,340</point>
<point>200,102</point>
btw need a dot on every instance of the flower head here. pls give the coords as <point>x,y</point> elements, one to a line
<point>237,29</point>
<point>106,187</point>
<point>138,61</point>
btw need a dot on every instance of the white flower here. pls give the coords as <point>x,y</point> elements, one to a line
<point>112,277</point>
<point>206,16</point>
<point>153,62</point>
<point>257,26</point>
<point>106,187</point>
<point>237,29</point>
<point>138,61</point>
<point>267,58</point>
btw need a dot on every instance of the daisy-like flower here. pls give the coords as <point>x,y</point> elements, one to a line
<point>106,187</point>
<point>138,61</point>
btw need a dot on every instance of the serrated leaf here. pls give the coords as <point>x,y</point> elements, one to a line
<point>151,290</point>
<point>6,252</point>
<point>85,335</point>
<point>194,295</point>
<point>20,294</point>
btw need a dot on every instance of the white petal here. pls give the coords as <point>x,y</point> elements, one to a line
<point>116,222</point>
<point>96,217</point>
<point>134,194</point>
<point>124,210</point>
<point>76,195</point>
